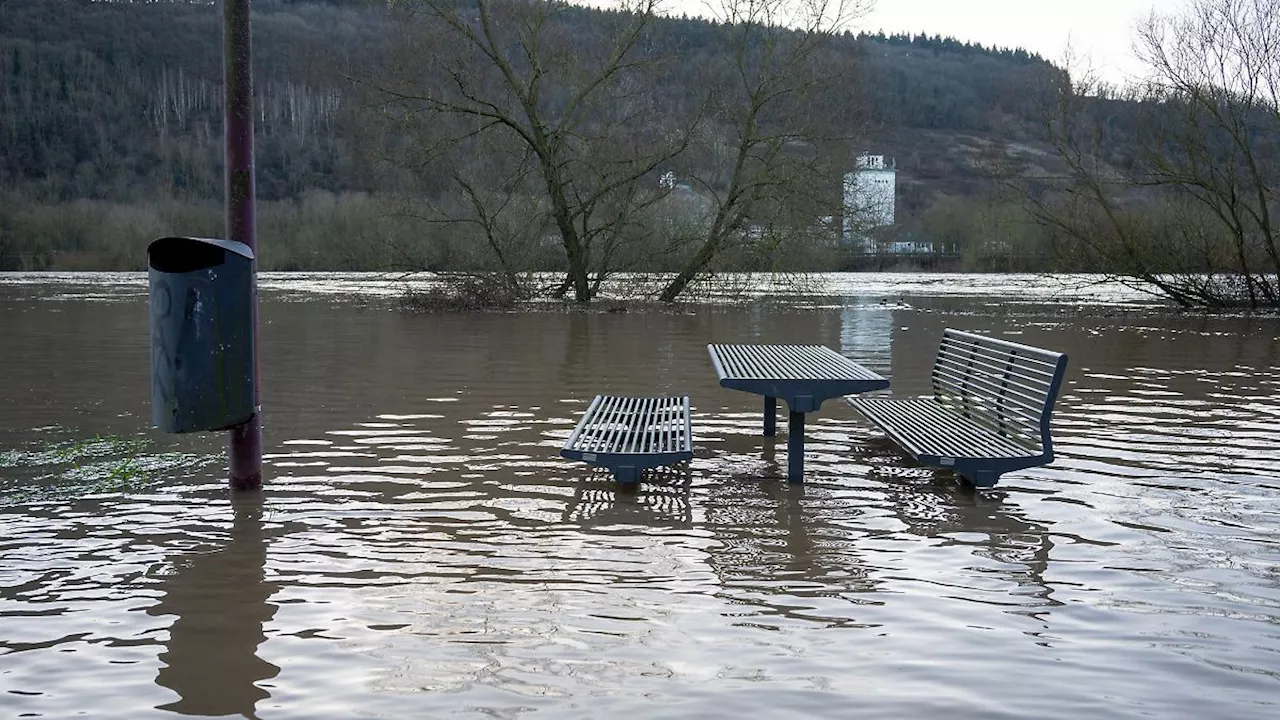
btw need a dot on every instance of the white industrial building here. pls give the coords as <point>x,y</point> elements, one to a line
<point>869,197</point>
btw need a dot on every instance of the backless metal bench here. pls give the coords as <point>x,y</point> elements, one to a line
<point>989,413</point>
<point>631,434</point>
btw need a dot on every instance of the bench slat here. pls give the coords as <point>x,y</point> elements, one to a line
<point>930,427</point>
<point>1011,395</point>
<point>613,426</point>
<point>630,434</point>
<point>1016,373</point>
<point>575,437</point>
<point>960,337</point>
<point>1016,402</point>
<point>609,423</point>
<point>1031,367</point>
<point>1033,378</point>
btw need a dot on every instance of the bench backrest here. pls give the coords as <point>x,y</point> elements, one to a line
<point>1002,385</point>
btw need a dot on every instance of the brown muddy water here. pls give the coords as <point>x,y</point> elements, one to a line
<point>421,550</point>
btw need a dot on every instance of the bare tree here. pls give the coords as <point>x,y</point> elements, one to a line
<point>546,124</point>
<point>560,101</point>
<point>1218,65</point>
<point>765,154</point>
<point>1191,215</point>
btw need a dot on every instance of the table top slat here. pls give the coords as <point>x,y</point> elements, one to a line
<point>804,376</point>
<point>787,362</point>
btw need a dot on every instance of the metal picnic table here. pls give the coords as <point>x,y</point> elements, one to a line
<point>802,375</point>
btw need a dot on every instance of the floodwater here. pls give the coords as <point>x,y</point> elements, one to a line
<point>422,551</point>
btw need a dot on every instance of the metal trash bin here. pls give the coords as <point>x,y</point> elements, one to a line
<point>201,333</point>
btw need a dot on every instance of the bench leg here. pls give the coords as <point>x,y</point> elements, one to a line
<point>981,478</point>
<point>626,474</point>
<point>795,446</point>
<point>770,416</point>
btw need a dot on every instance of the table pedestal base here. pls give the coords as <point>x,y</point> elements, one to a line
<point>795,446</point>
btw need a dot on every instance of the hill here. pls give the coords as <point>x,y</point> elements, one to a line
<point>110,117</point>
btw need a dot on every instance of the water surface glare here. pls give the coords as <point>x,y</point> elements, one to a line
<point>421,550</point>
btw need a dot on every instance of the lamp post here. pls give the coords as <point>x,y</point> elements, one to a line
<point>245,441</point>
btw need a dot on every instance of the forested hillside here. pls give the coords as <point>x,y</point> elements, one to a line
<point>121,100</point>
<point>110,125</point>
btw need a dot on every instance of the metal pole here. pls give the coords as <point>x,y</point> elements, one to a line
<point>245,441</point>
<point>795,447</point>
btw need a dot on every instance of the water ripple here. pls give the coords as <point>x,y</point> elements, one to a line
<point>423,551</point>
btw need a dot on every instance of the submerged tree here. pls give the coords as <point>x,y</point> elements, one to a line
<point>537,123</point>
<point>529,112</point>
<point>1191,215</point>
<point>769,157</point>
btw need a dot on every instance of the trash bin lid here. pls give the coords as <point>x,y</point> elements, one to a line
<point>238,248</point>
<point>184,254</point>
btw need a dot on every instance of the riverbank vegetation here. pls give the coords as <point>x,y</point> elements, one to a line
<point>112,133</point>
<point>316,230</point>
<point>1189,209</point>
<point>511,138</point>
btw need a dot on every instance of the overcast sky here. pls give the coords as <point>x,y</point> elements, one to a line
<point>1100,29</point>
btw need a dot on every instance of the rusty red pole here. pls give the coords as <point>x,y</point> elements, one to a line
<point>245,442</point>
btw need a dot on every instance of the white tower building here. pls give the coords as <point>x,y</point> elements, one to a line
<point>869,196</point>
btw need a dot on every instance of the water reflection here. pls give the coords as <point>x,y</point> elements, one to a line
<point>662,500</point>
<point>221,601</point>
<point>837,550</point>
<point>985,526</point>
<point>784,552</point>
<point>866,332</point>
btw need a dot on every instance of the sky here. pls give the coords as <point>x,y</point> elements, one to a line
<point>1100,31</point>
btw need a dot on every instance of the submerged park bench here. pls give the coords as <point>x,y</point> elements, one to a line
<point>989,413</point>
<point>627,435</point>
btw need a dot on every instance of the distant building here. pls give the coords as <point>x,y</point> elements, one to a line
<point>669,181</point>
<point>908,247</point>
<point>869,193</point>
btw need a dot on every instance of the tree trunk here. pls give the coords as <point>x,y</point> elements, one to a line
<point>578,271</point>
<point>682,279</point>
<point>574,251</point>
